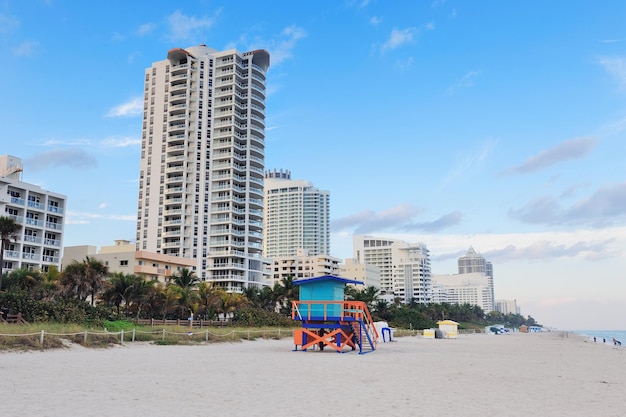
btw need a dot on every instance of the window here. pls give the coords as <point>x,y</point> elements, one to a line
<point>124,262</point>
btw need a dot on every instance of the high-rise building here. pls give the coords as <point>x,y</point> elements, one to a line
<point>202,163</point>
<point>475,262</point>
<point>404,267</point>
<point>507,307</point>
<point>471,288</point>
<point>296,217</point>
<point>39,243</point>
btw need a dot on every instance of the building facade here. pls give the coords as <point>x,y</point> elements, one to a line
<point>202,163</point>
<point>304,265</point>
<point>123,258</point>
<point>297,216</point>
<point>404,268</point>
<point>471,288</point>
<point>507,307</point>
<point>366,273</point>
<point>40,212</point>
<point>475,262</point>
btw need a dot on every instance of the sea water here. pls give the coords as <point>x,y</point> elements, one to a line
<point>606,335</point>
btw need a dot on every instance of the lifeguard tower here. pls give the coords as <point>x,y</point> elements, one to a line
<point>330,321</point>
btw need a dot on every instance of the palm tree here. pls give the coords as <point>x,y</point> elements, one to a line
<point>118,290</point>
<point>84,279</point>
<point>50,285</point>
<point>228,302</point>
<point>286,292</point>
<point>95,272</point>
<point>185,278</point>
<point>155,299</point>
<point>8,232</point>
<point>25,280</point>
<point>73,283</point>
<point>207,296</point>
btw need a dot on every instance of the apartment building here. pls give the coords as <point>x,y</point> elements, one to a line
<point>297,216</point>
<point>123,258</point>
<point>507,306</point>
<point>41,213</point>
<point>473,262</point>
<point>202,163</point>
<point>470,288</point>
<point>304,265</point>
<point>405,269</point>
<point>368,274</point>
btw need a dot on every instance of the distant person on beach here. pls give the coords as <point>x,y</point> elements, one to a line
<point>617,342</point>
<point>603,340</point>
<point>594,339</point>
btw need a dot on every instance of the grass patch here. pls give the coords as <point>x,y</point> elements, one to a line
<point>28,336</point>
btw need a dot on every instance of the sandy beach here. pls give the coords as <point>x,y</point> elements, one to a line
<point>549,374</point>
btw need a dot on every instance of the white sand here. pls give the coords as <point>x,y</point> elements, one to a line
<point>475,375</point>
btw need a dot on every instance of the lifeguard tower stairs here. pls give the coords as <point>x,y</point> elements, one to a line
<point>328,321</point>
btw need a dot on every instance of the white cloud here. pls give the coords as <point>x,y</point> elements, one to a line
<point>564,151</point>
<point>184,27</point>
<point>74,217</point>
<point>399,37</point>
<point>26,48</point>
<point>616,66</point>
<point>8,23</point>
<point>552,246</point>
<point>470,161</point>
<point>465,81</point>
<point>133,107</point>
<point>145,29</point>
<point>375,20</point>
<point>120,142</point>
<point>284,47</point>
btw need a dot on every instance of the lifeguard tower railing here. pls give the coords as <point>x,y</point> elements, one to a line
<point>322,314</point>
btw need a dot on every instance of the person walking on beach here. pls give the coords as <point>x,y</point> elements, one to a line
<point>594,339</point>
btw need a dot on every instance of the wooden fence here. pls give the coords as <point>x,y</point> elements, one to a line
<point>12,318</point>
<point>194,323</point>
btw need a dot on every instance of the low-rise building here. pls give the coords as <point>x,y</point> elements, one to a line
<point>123,258</point>
<point>304,265</point>
<point>366,273</point>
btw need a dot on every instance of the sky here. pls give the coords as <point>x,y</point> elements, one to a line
<point>487,124</point>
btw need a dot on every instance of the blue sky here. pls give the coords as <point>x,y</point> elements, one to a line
<point>497,125</point>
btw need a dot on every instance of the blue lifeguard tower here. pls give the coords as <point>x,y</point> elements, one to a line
<point>330,321</point>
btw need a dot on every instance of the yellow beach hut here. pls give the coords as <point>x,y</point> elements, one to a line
<point>449,328</point>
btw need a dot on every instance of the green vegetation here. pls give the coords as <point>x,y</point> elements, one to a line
<point>424,316</point>
<point>85,294</point>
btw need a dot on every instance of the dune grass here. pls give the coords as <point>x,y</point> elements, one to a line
<point>58,335</point>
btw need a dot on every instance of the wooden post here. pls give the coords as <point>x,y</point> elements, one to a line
<point>133,335</point>
<point>41,337</point>
<point>122,337</point>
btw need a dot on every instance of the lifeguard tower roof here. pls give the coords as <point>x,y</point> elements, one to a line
<point>326,278</point>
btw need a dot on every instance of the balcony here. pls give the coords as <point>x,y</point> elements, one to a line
<point>36,205</point>
<point>34,222</point>
<point>55,209</point>
<point>54,226</point>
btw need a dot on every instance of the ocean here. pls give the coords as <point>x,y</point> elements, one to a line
<point>607,335</point>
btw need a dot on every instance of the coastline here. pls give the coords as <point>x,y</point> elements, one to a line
<point>552,373</point>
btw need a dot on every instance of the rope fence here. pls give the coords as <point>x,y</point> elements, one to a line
<point>156,335</point>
